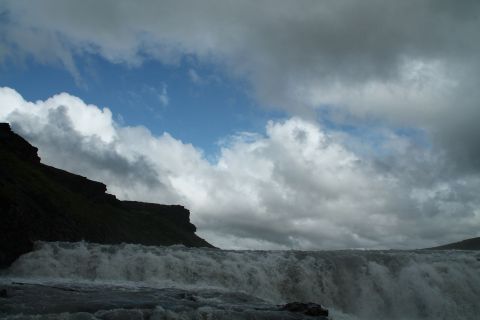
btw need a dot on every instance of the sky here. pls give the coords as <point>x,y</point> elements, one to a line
<point>309,124</point>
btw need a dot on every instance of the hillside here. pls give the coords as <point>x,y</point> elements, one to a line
<point>39,202</point>
<point>468,244</point>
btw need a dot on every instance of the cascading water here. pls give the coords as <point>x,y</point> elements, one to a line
<point>352,283</point>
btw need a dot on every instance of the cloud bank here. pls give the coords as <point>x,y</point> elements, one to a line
<point>298,185</point>
<point>409,63</point>
<point>398,64</point>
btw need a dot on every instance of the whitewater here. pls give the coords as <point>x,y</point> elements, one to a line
<point>352,284</point>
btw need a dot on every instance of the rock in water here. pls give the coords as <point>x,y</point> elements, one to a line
<point>309,309</point>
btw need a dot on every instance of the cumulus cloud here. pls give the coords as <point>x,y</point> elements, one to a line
<point>297,185</point>
<point>409,63</point>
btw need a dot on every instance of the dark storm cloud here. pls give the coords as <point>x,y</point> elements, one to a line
<point>409,62</point>
<point>328,40</point>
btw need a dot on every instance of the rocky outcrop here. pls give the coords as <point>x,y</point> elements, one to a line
<point>308,309</point>
<point>468,244</point>
<point>39,202</point>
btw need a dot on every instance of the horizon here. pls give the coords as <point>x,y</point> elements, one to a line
<point>306,125</point>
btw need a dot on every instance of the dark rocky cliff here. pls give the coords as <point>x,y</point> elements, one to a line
<point>39,202</point>
<point>468,244</point>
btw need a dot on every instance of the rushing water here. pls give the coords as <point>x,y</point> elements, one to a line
<point>352,284</point>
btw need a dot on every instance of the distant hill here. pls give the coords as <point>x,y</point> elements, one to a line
<point>39,202</point>
<point>469,244</point>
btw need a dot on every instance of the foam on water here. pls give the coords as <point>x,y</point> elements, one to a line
<point>366,284</point>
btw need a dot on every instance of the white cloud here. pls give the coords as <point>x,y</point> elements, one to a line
<point>296,186</point>
<point>195,77</point>
<point>411,62</point>
<point>163,95</point>
<point>89,119</point>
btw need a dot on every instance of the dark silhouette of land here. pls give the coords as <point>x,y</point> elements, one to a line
<point>39,202</point>
<point>468,244</point>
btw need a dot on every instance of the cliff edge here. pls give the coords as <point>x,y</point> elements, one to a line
<point>39,202</point>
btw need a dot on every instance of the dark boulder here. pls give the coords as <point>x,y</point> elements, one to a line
<point>308,309</point>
